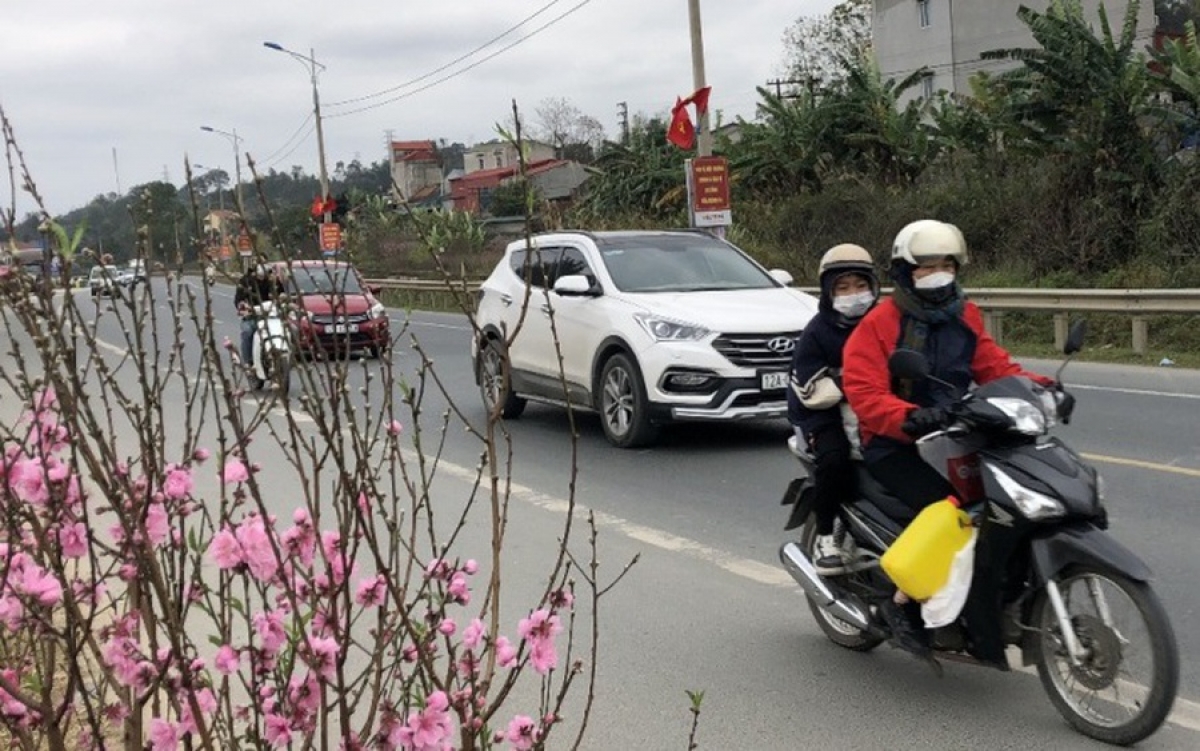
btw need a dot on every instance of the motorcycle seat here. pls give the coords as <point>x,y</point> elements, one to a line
<point>877,494</point>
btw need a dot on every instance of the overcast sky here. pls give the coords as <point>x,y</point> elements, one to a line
<point>80,79</point>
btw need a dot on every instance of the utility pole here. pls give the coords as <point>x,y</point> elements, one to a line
<point>779,84</point>
<point>703,134</point>
<point>623,119</point>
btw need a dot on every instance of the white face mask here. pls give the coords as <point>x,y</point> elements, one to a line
<point>855,305</point>
<point>936,280</point>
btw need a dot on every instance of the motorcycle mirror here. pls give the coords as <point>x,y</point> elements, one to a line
<point>1075,336</point>
<point>908,364</point>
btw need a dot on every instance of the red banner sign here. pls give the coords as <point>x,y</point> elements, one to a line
<point>331,236</point>
<point>711,183</point>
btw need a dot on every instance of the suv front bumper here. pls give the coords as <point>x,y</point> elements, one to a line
<point>736,393</point>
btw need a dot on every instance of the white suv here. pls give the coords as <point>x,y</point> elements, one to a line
<point>652,327</point>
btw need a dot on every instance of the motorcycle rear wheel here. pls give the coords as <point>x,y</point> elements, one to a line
<point>1125,628</point>
<point>839,632</point>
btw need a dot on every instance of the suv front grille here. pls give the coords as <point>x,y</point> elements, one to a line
<point>754,350</point>
<point>328,319</point>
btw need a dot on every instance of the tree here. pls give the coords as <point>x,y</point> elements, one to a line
<point>1085,97</point>
<point>642,176</point>
<point>573,134</point>
<point>816,48</point>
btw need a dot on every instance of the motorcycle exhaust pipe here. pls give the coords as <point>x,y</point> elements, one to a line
<point>802,570</point>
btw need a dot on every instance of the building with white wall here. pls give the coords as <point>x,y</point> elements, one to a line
<point>948,37</point>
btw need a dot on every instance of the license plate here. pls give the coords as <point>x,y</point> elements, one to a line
<point>774,381</point>
<point>343,328</point>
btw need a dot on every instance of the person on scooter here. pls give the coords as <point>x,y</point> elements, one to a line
<point>927,312</point>
<point>256,286</point>
<point>816,405</point>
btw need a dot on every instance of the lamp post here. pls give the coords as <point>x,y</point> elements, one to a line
<point>313,67</point>
<point>237,159</point>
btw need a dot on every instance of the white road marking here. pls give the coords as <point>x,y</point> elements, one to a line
<point>430,324</point>
<point>1136,392</point>
<point>1186,713</point>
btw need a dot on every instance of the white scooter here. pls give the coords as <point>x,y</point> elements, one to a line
<point>270,350</point>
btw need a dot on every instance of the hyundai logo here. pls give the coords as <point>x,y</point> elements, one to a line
<point>781,345</point>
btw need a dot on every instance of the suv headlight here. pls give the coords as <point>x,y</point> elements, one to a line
<point>662,329</point>
<point>377,311</point>
<point>1034,505</point>
<point>1026,417</point>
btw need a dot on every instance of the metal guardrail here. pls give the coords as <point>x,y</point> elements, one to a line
<point>995,302</point>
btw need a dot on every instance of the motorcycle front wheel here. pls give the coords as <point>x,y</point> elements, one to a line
<point>1124,685</point>
<point>839,632</point>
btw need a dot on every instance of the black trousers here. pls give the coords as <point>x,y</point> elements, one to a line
<point>906,475</point>
<point>833,478</point>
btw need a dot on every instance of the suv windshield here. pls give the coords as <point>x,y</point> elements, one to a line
<point>689,263</point>
<point>323,281</point>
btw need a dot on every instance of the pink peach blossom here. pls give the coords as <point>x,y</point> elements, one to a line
<point>227,660</point>
<point>473,634</point>
<point>73,538</point>
<point>178,483</point>
<point>235,471</point>
<point>224,550</point>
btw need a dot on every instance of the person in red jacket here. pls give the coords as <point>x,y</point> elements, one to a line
<point>927,312</point>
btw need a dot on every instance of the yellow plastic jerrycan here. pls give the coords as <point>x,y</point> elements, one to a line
<point>919,561</point>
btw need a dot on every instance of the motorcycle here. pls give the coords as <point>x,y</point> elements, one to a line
<point>271,350</point>
<point>1048,578</point>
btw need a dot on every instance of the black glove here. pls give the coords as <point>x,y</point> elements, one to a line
<point>924,420</point>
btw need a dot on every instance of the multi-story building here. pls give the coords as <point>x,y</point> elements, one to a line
<point>498,154</point>
<point>948,37</point>
<point>416,170</point>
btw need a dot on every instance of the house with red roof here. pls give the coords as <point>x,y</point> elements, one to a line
<point>555,180</point>
<point>416,171</point>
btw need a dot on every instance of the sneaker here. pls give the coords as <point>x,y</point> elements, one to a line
<point>907,633</point>
<point>827,555</point>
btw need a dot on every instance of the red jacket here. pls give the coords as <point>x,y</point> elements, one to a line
<point>960,351</point>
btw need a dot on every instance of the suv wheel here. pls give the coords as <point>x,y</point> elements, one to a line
<point>494,381</point>
<point>624,412</point>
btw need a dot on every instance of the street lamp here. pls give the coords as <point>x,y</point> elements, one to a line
<point>237,158</point>
<point>310,63</point>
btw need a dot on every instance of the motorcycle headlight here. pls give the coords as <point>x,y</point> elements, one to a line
<point>377,311</point>
<point>1034,505</point>
<point>1026,418</point>
<point>663,329</point>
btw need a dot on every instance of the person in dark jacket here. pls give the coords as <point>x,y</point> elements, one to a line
<point>927,312</point>
<point>256,286</point>
<point>816,407</point>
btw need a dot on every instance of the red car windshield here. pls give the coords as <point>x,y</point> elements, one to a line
<point>324,281</point>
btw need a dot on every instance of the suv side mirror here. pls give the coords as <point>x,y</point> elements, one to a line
<point>783,277</point>
<point>574,285</point>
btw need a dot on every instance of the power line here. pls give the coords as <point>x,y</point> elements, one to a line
<point>453,62</point>
<point>470,67</point>
<point>299,143</point>
<point>288,142</point>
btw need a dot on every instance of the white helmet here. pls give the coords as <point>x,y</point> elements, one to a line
<point>929,239</point>
<point>847,257</point>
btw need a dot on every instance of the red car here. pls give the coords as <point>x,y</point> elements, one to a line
<point>338,314</point>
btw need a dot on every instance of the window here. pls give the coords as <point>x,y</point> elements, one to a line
<point>536,268</point>
<point>927,86</point>
<point>481,161</point>
<point>923,13</point>
<point>572,263</point>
